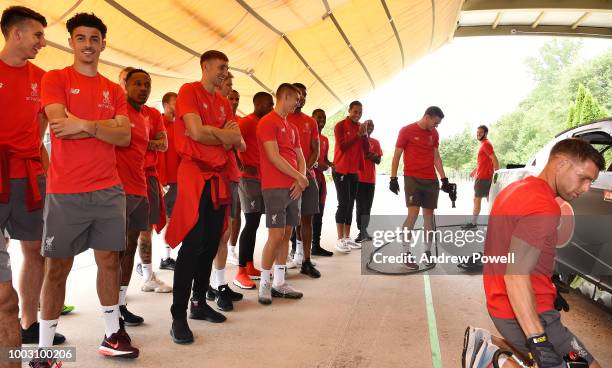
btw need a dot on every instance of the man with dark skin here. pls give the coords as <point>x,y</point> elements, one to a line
<point>322,165</point>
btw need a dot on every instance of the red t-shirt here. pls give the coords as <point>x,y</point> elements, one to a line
<point>368,174</point>
<point>250,157</point>
<point>214,110</point>
<point>170,157</point>
<point>527,210</point>
<point>418,145</point>
<point>323,149</point>
<point>308,130</point>
<point>19,108</point>
<point>89,164</point>
<point>156,125</point>
<point>131,159</point>
<point>484,164</point>
<point>350,149</point>
<point>273,127</point>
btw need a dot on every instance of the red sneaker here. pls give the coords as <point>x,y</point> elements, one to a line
<point>253,272</point>
<point>242,279</point>
<point>118,345</point>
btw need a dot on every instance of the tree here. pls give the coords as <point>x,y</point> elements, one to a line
<point>585,108</point>
<point>554,56</point>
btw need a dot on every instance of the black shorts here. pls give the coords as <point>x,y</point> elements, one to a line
<point>170,199</point>
<point>482,188</point>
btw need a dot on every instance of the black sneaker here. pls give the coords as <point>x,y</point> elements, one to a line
<point>359,238</point>
<point>180,332</point>
<point>310,270</point>
<point>52,363</point>
<point>201,311</point>
<point>318,251</point>
<point>224,301</point>
<point>167,264</point>
<point>129,318</point>
<point>118,345</point>
<point>31,335</point>
<point>211,294</point>
<point>469,226</point>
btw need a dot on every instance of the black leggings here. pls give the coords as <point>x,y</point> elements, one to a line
<point>248,236</point>
<point>365,197</point>
<point>346,191</point>
<point>194,260</point>
<point>317,224</point>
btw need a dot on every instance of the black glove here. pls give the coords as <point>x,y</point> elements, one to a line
<point>543,353</point>
<point>394,185</point>
<point>560,303</point>
<point>446,186</point>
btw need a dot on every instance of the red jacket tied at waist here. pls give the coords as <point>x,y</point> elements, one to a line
<point>192,176</point>
<point>33,196</point>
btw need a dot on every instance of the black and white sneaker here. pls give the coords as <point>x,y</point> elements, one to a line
<point>212,294</point>
<point>224,300</point>
<point>129,318</point>
<point>167,264</point>
<point>31,335</point>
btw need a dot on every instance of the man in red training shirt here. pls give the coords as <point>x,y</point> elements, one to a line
<point>520,295</point>
<point>486,165</point>
<point>367,185</point>
<point>85,201</point>
<point>283,180</point>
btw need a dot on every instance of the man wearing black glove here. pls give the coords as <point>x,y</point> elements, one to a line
<point>523,223</point>
<point>418,143</point>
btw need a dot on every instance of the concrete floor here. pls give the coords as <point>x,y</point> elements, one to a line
<point>344,320</point>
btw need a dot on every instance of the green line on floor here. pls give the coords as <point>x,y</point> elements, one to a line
<point>436,356</point>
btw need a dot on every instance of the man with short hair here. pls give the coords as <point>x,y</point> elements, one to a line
<point>85,202</point>
<point>249,190</point>
<point>523,222</point>
<point>323,165</point>
<point>218,289</point>
<point>367,185</point>
<point>486,165</point>
<point>204,133</point>
<point>167,167</point>
<point>309,203</point>
<point>418,142</point>
<point>130,165</point>
<point>283,180</point>
<point>351,147</point>
<point>22,175</point>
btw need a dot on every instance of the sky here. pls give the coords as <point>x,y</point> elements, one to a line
<point>475,80</point>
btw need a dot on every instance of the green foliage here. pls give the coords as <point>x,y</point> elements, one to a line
<point>567,91</point>
<point>459,151</point>
<point>585,108</point>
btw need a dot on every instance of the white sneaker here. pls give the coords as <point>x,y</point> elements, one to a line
<point>473,338</point>
<point>298,258</point>
<point>352,244</point>
<point>232,257</point>
<point>156,285</point>
<point>342,247</point>
<point>289,264</point>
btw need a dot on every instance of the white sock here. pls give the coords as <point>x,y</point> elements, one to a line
<point>475,221</point>
<point>231,249</point>
<point>279,275</point>
<point>122,294</point>
<point>168,250</point>
<point>111,319</point>
<point>147,271</point>
<point>217,278</point>
<point>266,276</point>
<point>46,332</point>
<point>299,247</point>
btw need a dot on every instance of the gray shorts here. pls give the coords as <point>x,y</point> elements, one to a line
<point>235,205</point>
<point>170,199</point>
<point>281,210</point>
<point>309,204</point>
<point>136,213</point>
<point>421,192</point>
<point>20,223</point>
<point>560,337</point>
<point>5,262</point>
<point>153,197</point>
<point>251,198</point>
<point>481,188</point>
<point>77,222</point>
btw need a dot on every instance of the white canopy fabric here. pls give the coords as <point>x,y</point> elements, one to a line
<point>340,49</point>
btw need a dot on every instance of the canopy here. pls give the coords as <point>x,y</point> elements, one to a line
<point>340,49</point>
